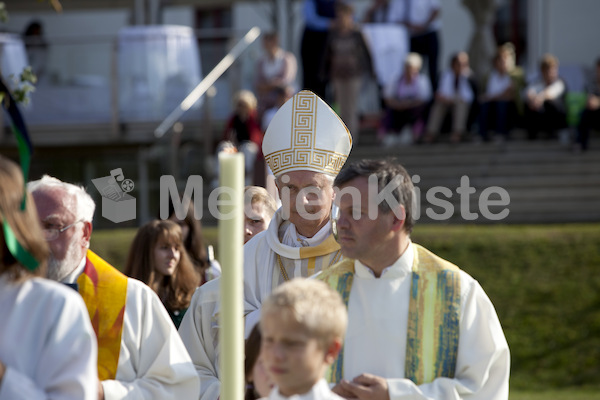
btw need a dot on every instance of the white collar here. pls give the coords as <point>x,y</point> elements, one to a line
<point>291,237</point>
<point>72,277</point>
<point>401,267</point>
<point>272,235</point>
<point>320,390</point>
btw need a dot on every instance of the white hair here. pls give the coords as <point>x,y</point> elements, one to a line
<point>85,203</point>
<point>414,60</point>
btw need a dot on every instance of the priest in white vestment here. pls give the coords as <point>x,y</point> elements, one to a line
<point>140,353</point>
<point>419,327</point>
<point>47,344</point>
<point>305,145</point>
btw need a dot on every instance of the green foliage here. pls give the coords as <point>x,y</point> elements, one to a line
<point>544,281</point>
<point>3,12</point>
<point>24,85</point>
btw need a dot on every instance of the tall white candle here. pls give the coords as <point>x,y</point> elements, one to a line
<point>231,255</point>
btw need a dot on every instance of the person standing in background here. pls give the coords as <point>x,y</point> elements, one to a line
<point>424,23</point>
<point>346,62</point>
<point>318,19</point>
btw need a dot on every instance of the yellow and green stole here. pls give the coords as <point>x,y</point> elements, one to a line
<point>104,291</point>
<point>433,316</point>
<point>314,259</point>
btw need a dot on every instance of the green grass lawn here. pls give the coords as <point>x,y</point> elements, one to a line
<point>544,281</point>
<point>573,394</point>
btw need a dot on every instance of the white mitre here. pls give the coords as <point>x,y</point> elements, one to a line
<point>306,134</point>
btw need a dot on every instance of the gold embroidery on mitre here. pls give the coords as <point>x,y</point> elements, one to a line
<point>303,153</point>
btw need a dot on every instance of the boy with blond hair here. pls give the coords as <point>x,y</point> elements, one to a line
<point>303,324</point>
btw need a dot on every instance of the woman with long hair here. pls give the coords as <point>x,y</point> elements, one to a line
<point>193,242</point>
<point>158,258</point>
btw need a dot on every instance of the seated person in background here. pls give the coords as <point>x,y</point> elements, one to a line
<point>258,380</point>
<point>242,132</point>
<point>277,68</point>
<point>259,209</point>
<point>455,94</point>
<point>157,258</point>
<point>496,101</point>
<point>199,253</point>
<point>47,345</point>
<point>507,52</point>
<point>590,117</point>
<point>406,100</point>
<point>545,105</point>
<point>302,323</point>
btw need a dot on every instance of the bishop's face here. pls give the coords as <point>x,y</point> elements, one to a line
<point>306,196</point>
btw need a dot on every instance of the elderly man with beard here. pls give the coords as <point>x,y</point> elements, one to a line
<point>305,145</point>
<point>140,354</point>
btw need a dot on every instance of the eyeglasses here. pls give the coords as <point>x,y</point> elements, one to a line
<point>52,233</point>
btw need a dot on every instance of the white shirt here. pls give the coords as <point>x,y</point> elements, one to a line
<point>419,89</point>
<point>153,361</point>
<point>378,316</point>
<point>553,91</point>
<point>320,391</point>
<point>420,11</point>
<point>393,13</point>
<point>447,87</point>
<point>46,342</point>
<point>417,12</point>
<point>498,84</point>
<point>389,44</point>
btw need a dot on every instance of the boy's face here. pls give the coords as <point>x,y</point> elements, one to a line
<point>295,360</point>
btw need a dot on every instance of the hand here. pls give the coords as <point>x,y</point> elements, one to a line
<point>593,102</point>
<point>416,28</point>
<point>340,391</point>
<point>367,387</point>
<point>538,103</point>
<point>2,370</point>
<point>100,391</point>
